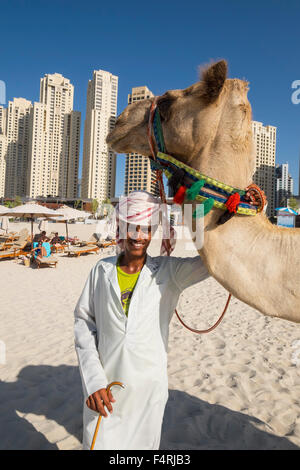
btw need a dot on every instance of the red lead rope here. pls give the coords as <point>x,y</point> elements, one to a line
<point>163,199</point>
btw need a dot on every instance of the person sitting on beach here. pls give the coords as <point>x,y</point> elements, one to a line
<point>121,329</point>
<point>56,240</point>
<point>41,250</point>
<point>41,237</point>
<point>72,240</point>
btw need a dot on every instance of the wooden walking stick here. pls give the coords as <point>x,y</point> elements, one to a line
<point>99,417</point>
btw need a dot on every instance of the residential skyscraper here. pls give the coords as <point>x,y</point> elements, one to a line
<point>54,140</point>
<point>138,173</point>
<point>264,175</point>
<point>3,146</point>
<point>284,185</point>
<point>3,114</point>
<point>99,163</point>
<point>17,147</point>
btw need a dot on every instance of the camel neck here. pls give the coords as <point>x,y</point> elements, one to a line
<point>256,261</point>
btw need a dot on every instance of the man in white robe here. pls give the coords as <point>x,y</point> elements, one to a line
<point>112,346</point>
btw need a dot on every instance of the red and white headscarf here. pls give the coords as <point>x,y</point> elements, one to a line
<point>142,208</point>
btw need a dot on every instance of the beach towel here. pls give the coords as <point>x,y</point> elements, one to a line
<point>47,247</point>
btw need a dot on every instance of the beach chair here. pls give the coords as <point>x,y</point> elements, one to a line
<point>93,240</point>
<point>48,259</point>
<point>107,243</point>
<point>57,248</point>
<point>9,237</point>
<point>16,249</point>
<point>23,233</point>
<point>77,251</point>
<point>15,239</point>
<point>6,245</point>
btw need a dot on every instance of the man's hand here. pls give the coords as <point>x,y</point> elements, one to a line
<point>97,400</point>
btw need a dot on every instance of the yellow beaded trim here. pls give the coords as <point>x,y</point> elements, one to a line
<point>197,174</point>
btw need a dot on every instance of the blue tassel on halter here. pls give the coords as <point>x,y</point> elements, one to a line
<point>155,165</point>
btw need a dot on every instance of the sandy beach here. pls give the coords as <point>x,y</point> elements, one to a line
<point>235,388</point>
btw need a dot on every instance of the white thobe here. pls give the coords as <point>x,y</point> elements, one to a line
<point>133,350</point>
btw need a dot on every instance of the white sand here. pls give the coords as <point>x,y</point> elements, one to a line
<point>235,388</point>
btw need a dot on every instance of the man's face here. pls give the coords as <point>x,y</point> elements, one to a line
<point>138,239</point>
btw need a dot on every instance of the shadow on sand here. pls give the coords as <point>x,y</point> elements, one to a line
<point>55,392</point>
<point>190,423</point>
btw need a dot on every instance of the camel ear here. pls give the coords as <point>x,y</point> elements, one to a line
<point>213,79</point>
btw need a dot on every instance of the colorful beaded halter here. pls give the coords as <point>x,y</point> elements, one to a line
<point>188,184</point>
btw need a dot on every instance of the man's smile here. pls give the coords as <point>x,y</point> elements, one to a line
<point>136,243</point>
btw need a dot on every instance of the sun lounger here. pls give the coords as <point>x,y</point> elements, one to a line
<point>9,237</point>
<point>77,251</point>
<point>58,248</point>
<point>23,233</point>
<point>46,261</point>
<point>14,236</point>
<point>106,243</point>
<point>11,253</point>
<point>16,249</point>
<point>93,240</point>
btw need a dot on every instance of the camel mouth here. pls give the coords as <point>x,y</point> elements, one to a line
<point>117,142</point>
<point>112,139</point>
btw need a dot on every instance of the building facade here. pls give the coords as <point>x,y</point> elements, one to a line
<point>54,140</point>
<point>17,147</point>
<point>264,138</point>
<point>99,163</point>
<point>39,143</point>
<point>284,185</point>
<point>138,173</point>
<point>3,148</point>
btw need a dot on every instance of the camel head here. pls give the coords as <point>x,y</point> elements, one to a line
<point>203,124</point>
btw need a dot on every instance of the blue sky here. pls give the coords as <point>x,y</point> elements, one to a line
<point>159,44</point>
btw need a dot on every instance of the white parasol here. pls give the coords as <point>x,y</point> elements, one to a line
<point>68,213</point>
<point>43,225</point>
<point>5,223</point>
<point>3,209</point>
<point>31,211</point>
<point>4,219</point>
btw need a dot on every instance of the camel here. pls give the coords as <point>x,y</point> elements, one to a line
<point>208,127</point>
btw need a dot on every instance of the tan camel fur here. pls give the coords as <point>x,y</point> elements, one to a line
<point>208,126</point>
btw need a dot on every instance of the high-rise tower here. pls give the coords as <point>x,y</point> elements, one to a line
<point>264,174</point>
<point>54,140</point>
<point>99,163</point>
<point>17,147</point>
<point>138,173</point>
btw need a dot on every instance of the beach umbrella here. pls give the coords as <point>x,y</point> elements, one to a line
<point>3,209</point>
<point>31,211</point>
<point>106,227</point>
<point>102,229</point>
<point>286,210</point>
<point>43,225</point>
<point>4,223</point>
<point>4,219</point>
<point>67,213</point>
